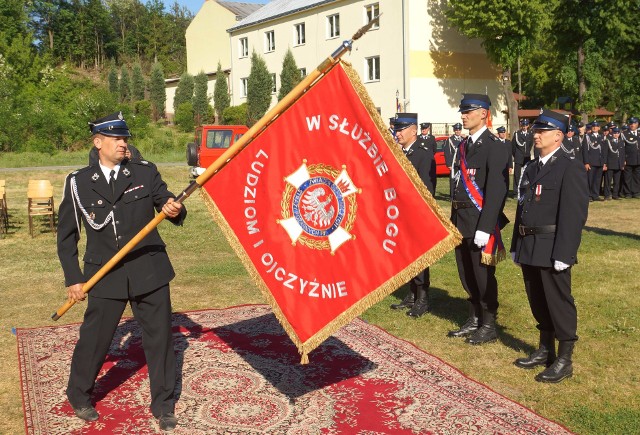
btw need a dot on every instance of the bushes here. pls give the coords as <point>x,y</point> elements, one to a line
<point>235,115</point>
<point>184,117</point>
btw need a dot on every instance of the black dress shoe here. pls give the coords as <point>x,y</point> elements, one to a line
<point>168,421</point>
<point>407,302</point>
<point>469,327</point>
<point>484,334</point>
<point>562,367</point>
<point>87,413</point>
<point>419,308</point>
<point>544,355</point>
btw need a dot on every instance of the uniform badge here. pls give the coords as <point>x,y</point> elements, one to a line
<point>95,176</point>
<point>126,172</point>
<point>319,206</point>
<point>538,192</point>
<point>472,173</point>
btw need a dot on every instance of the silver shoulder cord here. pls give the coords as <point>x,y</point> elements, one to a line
<point>455,176</point>
<point>518,142</point>
<point>611,149</point>
<point>524,168</point>
<point>590,145</point>
<point>91,222</point>
<point>566,150</point>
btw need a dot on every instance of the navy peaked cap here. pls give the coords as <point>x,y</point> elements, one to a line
<point>501,130</point>
<point>549,120</point>
<point>473,102</point>
<point>457,126</point>
<point>404,120</point>
<point>110,125</point>
<point>633,120</point>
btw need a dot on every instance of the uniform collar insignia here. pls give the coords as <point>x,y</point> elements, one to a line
<point>95,177</point>
<point>126,172</point>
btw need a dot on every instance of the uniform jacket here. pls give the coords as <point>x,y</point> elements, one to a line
<point>631,147</point>
<point>139,192</point>
<point>563,202</point>
<point>595,150</point>
<point>428,142</point>
<point>488,159</point>
<point>450,147</point>
<point>422,160</point>
<point>521,145</point>
<point>507,144</point>
<point>615,153</point>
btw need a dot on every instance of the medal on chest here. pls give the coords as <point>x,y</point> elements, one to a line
<point>538,192</point>
<point>472,173</point>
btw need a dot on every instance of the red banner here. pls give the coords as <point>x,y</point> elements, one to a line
<point>325,211</point>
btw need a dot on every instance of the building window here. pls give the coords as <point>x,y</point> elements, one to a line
<point>299,37</point>
<point>244,47</point>
<point>303,73</point>
<point>273,81</point>
<point>269,41</point>
<point>373,69</point>
<point>243,87</point>
<point>333,26</point>
<point>372,11</point>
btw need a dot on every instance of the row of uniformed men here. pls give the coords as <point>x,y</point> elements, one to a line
<point>543,244</point>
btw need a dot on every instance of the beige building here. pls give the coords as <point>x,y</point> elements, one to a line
<point>413,56</point>
<point>208,41</point>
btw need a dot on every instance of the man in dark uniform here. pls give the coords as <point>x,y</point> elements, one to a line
<point>478,196</point>
<point>615,165</point>
<point>595,160</point>
<point>568,145</point>
<point>406,128</point>
<point>521,144</point>
<point>428,142</point>
<point>552,210</point>
<point>452,143</point>
<point>502,137</point>
<point>114,200</point>
<point>632,159</point>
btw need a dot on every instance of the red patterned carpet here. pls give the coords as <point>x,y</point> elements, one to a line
<point>240,375</point>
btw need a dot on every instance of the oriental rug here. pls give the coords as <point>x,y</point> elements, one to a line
<point>240,374</point>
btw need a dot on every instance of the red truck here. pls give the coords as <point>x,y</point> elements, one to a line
<point>209,143</point>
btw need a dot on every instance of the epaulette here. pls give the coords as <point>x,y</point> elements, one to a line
<point>145,163</point>
<point>81,170</point>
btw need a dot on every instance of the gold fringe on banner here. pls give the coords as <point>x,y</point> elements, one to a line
<point>435,253</point>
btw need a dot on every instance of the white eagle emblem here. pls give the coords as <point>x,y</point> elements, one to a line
<point>319,206</point>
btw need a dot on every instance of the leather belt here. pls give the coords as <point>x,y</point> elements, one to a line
<point>544,229</point>
<point>461,204</point>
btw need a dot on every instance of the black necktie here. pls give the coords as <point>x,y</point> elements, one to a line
<point>112,182</point>
<point>469,144</point>
<point>540,165</point>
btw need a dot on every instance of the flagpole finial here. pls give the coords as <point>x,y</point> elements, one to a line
<point>364,29</point>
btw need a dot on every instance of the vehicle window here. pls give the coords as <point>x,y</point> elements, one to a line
<point>238,136</point>
<point>198,137</point>
<point>219,138</point>
<point>439,145</point>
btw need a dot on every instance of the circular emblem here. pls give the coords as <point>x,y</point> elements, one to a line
<point>319,206</point>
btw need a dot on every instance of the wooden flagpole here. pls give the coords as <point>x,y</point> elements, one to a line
<point>225,158</point>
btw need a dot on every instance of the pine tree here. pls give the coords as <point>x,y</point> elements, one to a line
<point>124,85</point>
<point>221,98</point>
<point>290,75</point>
<point>259,87</point>
<point>201,106</point>
<point>137,83</point>
<point>113,80</point>
<point>156,91</point>
<point>184,91</point>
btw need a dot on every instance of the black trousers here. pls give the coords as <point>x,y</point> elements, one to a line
<point>632,180</point>
<point>153,312</point>
<point>422,279</point>
<point>612,176</point>
<point>550,299</point>
<point>595,181</point>
<point>478,280</point>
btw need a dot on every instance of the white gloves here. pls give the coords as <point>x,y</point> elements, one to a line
<point>559,266</point>
<point>481,239</point>
<point>513,258</point>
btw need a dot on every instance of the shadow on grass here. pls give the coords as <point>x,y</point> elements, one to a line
<point>456,310</point>
<point>606,232</point>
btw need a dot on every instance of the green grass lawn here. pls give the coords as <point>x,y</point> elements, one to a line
<point>602,397</point>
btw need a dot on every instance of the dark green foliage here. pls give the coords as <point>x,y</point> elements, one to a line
<point>184,91</point>
<point>137,83</point>
<point>157,94</point>
<point>124,85</point>
<point>112,79</point>
<point>259,87</point>
<point>235,115</point>
<point>201,107</point>
<point>184,116</point>
<point>290,75</point>
<point>221,98</point>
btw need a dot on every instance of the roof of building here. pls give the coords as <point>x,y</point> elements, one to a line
<point>278,8</point>
<point>241,10</point>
